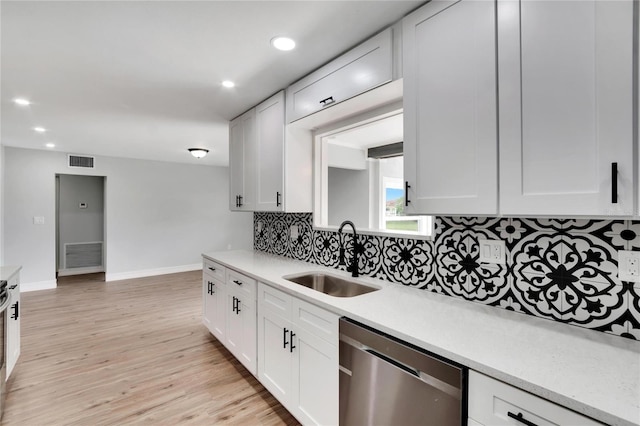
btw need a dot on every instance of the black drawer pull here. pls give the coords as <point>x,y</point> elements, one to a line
<point>278,199</point>
<point>291,336</point>
<point>284,338</point>
<point>212,269</point>
<point>406,193</point>
<point>237,282</point>
<point>614,183</point>
<point>327,101</point>
<point>13,287</point>
<point>16,311</point>
<point>519,417</point>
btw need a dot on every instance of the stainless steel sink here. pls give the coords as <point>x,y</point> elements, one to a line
<point>330,284</point>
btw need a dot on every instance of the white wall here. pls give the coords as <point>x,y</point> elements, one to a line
<point>348,196</point>
<point>159,216</point>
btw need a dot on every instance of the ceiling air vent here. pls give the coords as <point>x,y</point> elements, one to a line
<point>81,161</point>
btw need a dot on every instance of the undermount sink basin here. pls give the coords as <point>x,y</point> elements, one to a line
<point>330,284</point>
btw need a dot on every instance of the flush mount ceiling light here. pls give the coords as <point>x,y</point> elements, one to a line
<point>21,101</point>
<point>198,152</point>
<point>283,43</point>
<point>228,84</point>
<point>50,145</point>
<point>40,129</point>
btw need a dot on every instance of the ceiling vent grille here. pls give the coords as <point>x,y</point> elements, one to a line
<point>80,161</point>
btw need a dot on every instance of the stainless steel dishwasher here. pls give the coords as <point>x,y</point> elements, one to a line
<point>384,381</point>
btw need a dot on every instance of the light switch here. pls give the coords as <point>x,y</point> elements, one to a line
<point>38,220</point>
<point>492,251</point>
<point>629,265</point>
<point>294,232</point>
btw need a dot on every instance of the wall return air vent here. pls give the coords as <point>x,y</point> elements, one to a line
<point>81,161</point>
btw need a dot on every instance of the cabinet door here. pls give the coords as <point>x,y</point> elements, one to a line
<point>364,67</point>
<point>214,304</point>
<point>270,146</point>
<point>275,356</point>
<point>450,108</point>
<point>315,374</point>
<point>242,154</point>
<point>566,105</point>
<point>13,326</point>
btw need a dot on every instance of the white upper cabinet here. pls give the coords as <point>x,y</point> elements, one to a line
<point>270,146</point>
<point>450,115</point>
<point>242,152</point>
<point>364,67</point>
<point>566,107</point>
<point>270,166</point>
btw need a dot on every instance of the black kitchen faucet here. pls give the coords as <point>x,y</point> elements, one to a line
<point>354,259</point>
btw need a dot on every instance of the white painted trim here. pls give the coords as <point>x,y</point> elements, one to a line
<point>40,285</point>
<point>80,271</point>
<point>152,272</point>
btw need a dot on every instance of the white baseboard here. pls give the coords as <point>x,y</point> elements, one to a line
<point>40,285</point>
<point>152,272</point>
<point>80,271</point>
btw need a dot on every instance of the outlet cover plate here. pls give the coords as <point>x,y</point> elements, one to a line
<point>492,251</point>
<point>629,265</point>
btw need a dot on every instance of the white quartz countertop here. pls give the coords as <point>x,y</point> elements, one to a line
<point>7,272</point>
<point>590,372</point>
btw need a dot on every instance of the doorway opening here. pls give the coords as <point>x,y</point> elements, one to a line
<point>80,228</point>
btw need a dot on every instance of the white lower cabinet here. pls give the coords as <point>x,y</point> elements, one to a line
<point>298,355</point>
<point>494,403</point>
<point>229,311</point>
<point>214,299</point>
<point>13,324</point>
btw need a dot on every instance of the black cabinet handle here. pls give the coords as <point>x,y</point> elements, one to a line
<point>327,101</point>
<point>235,304</point>
<point>520,418</point>
<point>237,282</point>
<point>212,269</point>
<point>284,338</point>
<point>406,193</point>
<point>291,336</point>
<point>239,200</point>
<point>278,199</point>
<point>16,311</point>
<point>238,310</point>
<point>614,183</point>
<point>13,287</point>
<point>210,291</point>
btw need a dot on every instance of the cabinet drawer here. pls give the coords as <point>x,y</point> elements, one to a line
<point>245,285</point>
<point>214,269</point>
<point>366,66</point>
<point>275,301</point>
<point>492,402</point>
<point>316,321</point>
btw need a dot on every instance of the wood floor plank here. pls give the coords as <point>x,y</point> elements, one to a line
<point>129,352</point>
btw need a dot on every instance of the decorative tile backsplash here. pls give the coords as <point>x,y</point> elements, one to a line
<point>559,269</point>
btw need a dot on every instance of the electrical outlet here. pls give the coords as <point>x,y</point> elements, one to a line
<point>629,265</point>
<point>492,251</point>
<point>38,220</point>
<point>294,232</point>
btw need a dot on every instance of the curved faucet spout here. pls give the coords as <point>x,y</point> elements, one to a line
<point>353,268</point>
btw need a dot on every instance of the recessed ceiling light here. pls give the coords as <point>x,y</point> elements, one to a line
<point>22,101</point>
<point>283,43</point>
<point>228,84</point>
<point>50,145</point>
<point>40,129</point>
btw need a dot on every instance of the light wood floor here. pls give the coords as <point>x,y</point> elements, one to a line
<point>129,352</point>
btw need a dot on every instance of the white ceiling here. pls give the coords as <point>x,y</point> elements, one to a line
<point>141,79</point>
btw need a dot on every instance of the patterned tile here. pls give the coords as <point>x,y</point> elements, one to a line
<point>559,269</point>
<point>407,261</point>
